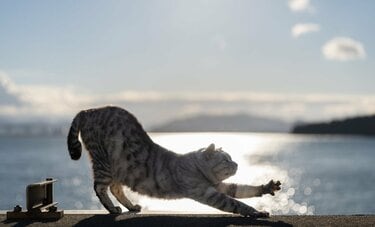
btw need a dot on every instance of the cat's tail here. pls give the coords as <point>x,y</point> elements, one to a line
<point>74,146</point>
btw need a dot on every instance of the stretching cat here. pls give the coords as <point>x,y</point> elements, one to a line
<point>123,154</point>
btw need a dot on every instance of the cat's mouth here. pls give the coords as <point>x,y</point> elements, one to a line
<point>235,167</point>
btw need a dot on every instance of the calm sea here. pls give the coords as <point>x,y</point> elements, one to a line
<point>320,174</point>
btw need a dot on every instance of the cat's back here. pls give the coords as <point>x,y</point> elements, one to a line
<point>105,113</point>
<point>108,116</point>
<point>111,121</point>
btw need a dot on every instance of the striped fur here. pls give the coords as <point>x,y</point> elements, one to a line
<point>123,154</point>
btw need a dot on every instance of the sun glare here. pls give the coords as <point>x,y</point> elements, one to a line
<point>242,148</point>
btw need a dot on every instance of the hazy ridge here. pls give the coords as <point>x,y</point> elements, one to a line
<point>227,123</point>
<point>363,125</point>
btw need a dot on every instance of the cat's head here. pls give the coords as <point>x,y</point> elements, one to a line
<point>219,162</point>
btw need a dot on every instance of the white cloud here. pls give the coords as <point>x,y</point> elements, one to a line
<point>301,29</point>
<point>30,101</point>
<point>8,95</point>
<point>300,5</point>
<point>343,49</point>
<point>153,107</point>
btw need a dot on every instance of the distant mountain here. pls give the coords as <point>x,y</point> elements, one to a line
<point>364,125</point>
<point>224,123</point>
<point>201,123</point>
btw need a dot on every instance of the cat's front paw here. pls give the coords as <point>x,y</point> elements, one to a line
<point>247,211</point>
<point>135,208</point>
<point>115,210</point>
<point>259,214</point>
<point>252,213</point>
<point>271,187</point>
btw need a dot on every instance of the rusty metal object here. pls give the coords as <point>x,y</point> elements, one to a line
<point>39,203</point>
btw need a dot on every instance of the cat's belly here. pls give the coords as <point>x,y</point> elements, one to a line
<point>149,187</point>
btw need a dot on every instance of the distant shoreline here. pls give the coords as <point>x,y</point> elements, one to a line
<point>236,123</point>
<point>364,126</point>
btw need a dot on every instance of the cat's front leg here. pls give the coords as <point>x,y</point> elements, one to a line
<point>248,191</point>
<point>225,203</point>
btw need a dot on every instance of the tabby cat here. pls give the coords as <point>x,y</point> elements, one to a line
<point>123,154</point>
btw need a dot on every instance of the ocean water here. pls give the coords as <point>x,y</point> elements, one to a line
<point>319,174</point>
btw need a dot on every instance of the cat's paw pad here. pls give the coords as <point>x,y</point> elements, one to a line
<point>271,187</point>
<point>135,208</point>
<point>115,210</point>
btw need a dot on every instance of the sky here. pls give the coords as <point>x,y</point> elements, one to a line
<point>294,60</point>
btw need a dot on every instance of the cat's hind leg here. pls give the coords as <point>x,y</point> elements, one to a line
<point>101,191</point>
<point>102,176</point>
<point>118,192</point>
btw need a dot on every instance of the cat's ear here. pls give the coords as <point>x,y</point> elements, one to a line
<point>209,151</point>
<point>211,147</point>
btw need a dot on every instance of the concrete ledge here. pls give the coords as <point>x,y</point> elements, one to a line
<point>159,219</point>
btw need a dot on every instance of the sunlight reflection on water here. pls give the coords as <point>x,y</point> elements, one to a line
<point>242,148</point>
<point>318,173</point>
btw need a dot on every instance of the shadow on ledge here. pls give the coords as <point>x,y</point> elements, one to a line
<point>16,223</point>
<point>174,220</point>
